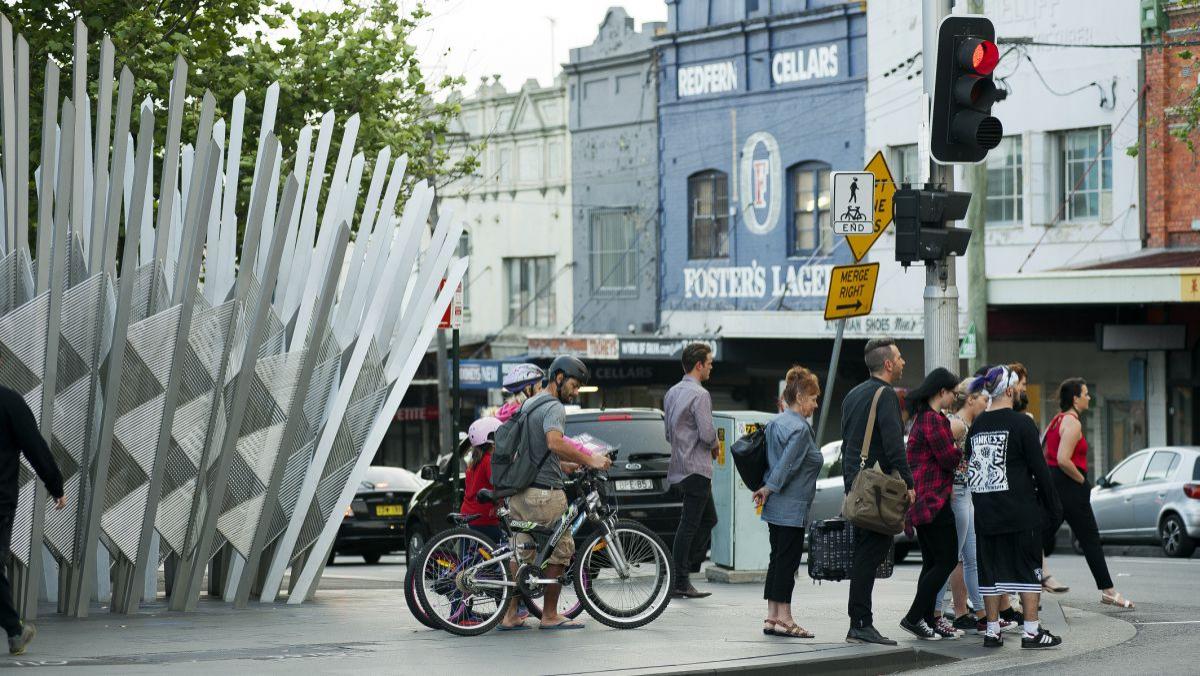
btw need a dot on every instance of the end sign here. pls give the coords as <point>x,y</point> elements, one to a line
<point>851,291</point>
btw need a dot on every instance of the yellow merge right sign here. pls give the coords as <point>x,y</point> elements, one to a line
<point>851,291</point>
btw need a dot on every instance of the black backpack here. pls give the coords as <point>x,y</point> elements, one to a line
<point>750,458</point>
<point>513,470</point>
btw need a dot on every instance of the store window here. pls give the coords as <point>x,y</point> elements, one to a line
<point>708,215</point>
<point>808,215</point>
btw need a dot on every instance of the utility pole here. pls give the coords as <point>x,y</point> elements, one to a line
<point>977,299</point>
<point>941,292</point>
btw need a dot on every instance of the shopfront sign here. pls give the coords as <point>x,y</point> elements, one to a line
<point>702,79</point>
<point>756,281</point>
<point>762,183</point>
<point>805,64</point>
<point>582,346</point>
<point>664,349</point>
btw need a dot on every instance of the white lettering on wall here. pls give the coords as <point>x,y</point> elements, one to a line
<point>707,78</point>
<point>755,281</point>
<point>801,65</point>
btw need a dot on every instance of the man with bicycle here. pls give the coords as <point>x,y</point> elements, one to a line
<point>544,501</point>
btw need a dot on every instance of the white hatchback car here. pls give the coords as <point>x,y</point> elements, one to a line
<point>1153,496</point>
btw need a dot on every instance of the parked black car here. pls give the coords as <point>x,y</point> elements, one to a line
<point>374,523</point>
<point>638,474</point>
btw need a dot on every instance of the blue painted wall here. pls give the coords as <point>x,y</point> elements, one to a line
<point>812,110</point>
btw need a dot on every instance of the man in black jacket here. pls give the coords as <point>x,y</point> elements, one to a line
<point>19,435</point>
<point>886,366</point>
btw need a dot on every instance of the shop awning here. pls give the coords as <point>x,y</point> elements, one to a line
<point>1154,276</point>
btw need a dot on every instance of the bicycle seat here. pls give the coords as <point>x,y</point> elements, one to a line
<point>460,519</point>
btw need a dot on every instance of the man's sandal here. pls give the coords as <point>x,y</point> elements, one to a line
<point>793,631</point>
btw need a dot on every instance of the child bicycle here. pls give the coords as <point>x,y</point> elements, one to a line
<point>622,574</point>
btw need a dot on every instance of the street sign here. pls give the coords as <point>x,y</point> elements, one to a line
<point>853,197</point>
<point>452,318</point>
<point>851,291</point>
<point>969,347</point>
<point>885,188</point>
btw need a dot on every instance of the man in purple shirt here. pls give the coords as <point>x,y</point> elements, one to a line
<point>693,439</point>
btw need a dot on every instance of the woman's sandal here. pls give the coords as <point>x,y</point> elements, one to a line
<point>1051,586</point>
<point>1115,599</point>
<point>793,631</point>
<point>769,630</point>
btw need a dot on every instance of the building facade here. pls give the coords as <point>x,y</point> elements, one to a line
<point>758,102</point>
<point>613,122</point>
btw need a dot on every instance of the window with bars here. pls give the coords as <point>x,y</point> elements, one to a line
<point>531,297</point>
<point>614,258</point>
<point>1005,195</point>
<point>808,197</point>
<point>708,215</point>
<point>1086,170</point>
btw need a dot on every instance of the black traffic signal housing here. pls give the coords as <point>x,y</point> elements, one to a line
<point>921,217</point>
<point>963,129</point>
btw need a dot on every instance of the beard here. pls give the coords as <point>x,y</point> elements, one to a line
<point>1021,402</point>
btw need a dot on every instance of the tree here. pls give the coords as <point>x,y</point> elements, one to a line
<point>355,59</point>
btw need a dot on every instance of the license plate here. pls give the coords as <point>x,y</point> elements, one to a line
<point>635,485</point>
<point>389,510</point>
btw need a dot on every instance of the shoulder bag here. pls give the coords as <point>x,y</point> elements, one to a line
<point>876,501</point>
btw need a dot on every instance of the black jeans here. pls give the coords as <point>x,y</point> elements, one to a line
<point>870,549</point>
<point>10,619</point>
<point>696,522</point>
<point>939,556</point>
<point>787,546</point>
<point>1077,510</point>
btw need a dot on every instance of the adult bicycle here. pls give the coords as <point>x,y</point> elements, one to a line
<point>622,574</point>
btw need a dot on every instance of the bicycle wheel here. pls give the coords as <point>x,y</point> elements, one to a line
<point>452,582</point>
<point>633,600</point>
<point>411,598</point>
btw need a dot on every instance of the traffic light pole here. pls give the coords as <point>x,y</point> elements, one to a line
<point>941,292</point>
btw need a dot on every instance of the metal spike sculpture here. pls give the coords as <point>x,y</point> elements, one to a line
<point>211,405</point>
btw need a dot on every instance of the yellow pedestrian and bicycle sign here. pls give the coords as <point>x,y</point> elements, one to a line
<point>851,291</point>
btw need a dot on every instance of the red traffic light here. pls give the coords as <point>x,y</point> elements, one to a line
<point>978,56</point>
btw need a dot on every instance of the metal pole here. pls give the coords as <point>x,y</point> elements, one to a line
<point>456,404</point>
<point>830,379</point>
<point>977,299</point>
<point>941,294</point>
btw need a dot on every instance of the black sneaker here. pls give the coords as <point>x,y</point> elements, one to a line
<point>1042,641</point>
<point>968,623</point>
<point>920,629</point>
<point>867,635</point>
<point>946,629</point>
<point>1011,615</point>
<point>993,640</point>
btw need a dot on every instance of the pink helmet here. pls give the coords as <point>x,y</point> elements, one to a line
<point>481,431</point>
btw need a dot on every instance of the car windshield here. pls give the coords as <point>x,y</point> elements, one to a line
<point>380,478</point>
<point>636,439</point>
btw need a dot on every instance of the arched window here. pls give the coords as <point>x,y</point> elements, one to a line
<point>808,209</point>
<point>708,214</point>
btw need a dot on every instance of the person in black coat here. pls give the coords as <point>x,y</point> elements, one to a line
<point>19,436</point>
<point>886,366</point>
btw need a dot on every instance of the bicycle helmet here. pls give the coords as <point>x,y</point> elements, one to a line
<point>522,376</point>
<point>571,367</point>
<point>480,431</point>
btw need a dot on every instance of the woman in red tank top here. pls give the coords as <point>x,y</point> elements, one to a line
<point>1066,454</point>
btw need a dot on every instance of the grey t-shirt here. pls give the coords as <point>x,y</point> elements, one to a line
<point>547,417</point>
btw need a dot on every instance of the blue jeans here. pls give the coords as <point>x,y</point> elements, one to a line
<point>964,517</point>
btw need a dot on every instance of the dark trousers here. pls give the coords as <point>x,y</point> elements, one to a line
<point>870,549</point>
<point>787,545</point>
<point>10,619</point>
<point>696,522</point>
<point>939,556</point>
<point>1077,511</point>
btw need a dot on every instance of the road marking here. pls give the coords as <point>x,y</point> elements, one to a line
<point>1177,622</point>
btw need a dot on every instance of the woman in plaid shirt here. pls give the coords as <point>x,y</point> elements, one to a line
<point>933,456</point>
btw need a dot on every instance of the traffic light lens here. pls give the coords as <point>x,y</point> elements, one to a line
<point>985,57</point>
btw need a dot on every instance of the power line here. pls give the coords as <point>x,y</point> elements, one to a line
<point>1098,45</point>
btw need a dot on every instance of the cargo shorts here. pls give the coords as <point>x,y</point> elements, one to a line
<point>543,507</point>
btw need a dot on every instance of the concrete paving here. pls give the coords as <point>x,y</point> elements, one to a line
<point>359,624</point>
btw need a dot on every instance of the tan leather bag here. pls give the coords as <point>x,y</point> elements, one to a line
<point>876,501</point>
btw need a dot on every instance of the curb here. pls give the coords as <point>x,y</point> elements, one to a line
<point>879,660</point>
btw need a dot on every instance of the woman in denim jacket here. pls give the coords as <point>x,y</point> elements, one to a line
<point>794,464</point>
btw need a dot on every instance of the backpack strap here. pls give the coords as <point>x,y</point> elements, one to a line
<point>866,446</point>
<point>548,451</point>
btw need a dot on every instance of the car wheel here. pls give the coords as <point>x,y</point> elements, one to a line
<point>1174,537</point>
<point>372,558</point>
<point>416,539</point>
<point>900,553</point>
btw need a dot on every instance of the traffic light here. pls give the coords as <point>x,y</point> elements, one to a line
<point>920,218</point>
<point>963,129</point>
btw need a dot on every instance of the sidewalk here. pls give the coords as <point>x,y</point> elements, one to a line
<point>358,630</point>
